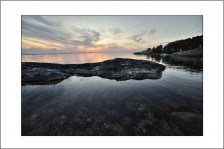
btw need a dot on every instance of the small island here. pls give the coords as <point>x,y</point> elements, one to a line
<point>118,69</point>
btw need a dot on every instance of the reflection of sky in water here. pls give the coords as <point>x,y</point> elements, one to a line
<point>95,86</point>
<point>77,58</point>
<point>96,106</point>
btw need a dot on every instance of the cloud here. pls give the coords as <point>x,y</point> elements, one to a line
<point>87,36</point>
<point>38,27</point>
<point>48,51</point>
<point>115,31</point>
<point>138,37</point>
<point>152,31</point>
<point>42,20</point>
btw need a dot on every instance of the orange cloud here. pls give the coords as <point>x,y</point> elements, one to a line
<point>31,42</point>
<point>97,48</point>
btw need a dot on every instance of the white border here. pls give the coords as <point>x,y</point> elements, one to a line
<point>11,70</point>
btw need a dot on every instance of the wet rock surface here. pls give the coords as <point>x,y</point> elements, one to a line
<point>118,69</point>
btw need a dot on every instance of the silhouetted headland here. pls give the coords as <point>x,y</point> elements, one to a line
<point>191,47</point>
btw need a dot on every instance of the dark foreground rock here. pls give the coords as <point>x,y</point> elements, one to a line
<point>118,69</point>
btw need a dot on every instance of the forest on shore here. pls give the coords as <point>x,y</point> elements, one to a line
<point>178,46</point>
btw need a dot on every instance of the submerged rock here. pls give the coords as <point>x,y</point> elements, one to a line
<point>193,122</point>
<point>118,69</point>
<point>186,116</point>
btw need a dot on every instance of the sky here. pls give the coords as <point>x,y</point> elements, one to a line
<point>79,34</point>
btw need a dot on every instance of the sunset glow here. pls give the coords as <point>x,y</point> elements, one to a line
<point>78,34</point>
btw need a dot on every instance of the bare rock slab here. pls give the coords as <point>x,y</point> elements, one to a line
<point>118,69</point>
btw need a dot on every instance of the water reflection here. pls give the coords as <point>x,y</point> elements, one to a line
<point>196,64</point>
<point>96,106</point>
<point>172,105</point>
<point>77,58</point>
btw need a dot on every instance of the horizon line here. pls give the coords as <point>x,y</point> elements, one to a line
<point>72,53</point>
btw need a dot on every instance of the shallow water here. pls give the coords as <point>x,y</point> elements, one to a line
<point>172,105</point>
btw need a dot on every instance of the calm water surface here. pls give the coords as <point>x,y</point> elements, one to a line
<point>172,105</point>
<point>77,58</point>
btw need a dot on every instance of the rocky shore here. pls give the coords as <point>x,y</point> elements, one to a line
<point>190,53</point>
<point>118,69</point>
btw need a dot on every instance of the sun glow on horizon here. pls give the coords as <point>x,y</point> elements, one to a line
<point>43,34</point>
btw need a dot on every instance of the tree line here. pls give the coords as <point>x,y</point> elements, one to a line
<point>179,45</point>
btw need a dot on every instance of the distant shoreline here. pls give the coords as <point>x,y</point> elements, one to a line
<point>74,53</point>
<point>198,52</point>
